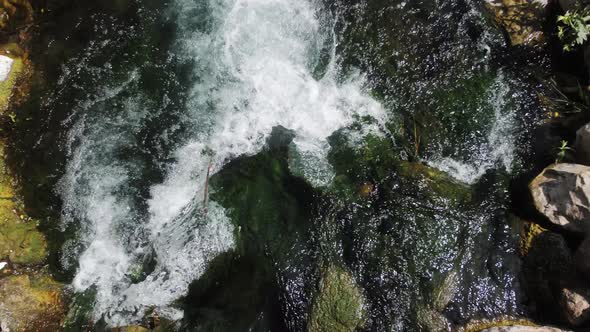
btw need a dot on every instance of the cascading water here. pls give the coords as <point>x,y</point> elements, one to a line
<point>253,70</point>
<point>375,97</point>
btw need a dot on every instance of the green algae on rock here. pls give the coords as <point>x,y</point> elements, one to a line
<point>20,241</point>
<point>31,303</point>
<point>441,185</point>
<point>338,304</point>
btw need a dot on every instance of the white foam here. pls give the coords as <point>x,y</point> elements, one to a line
<point>5,67</point>
<point>255,73</point>
<point>498,151</point>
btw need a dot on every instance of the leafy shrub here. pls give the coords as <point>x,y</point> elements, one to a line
<point>573,28</point>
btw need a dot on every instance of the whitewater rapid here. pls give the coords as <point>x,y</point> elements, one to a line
<point>253,67</point>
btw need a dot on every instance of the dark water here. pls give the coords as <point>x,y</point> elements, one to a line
<point>329,126</point>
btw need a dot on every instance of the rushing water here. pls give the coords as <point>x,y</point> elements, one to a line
<point>160,93</point>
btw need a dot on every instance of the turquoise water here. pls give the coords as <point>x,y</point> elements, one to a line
<point>380,137</point>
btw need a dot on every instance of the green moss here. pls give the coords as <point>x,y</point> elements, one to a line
<point>31,302</point>
<point>79,316</point>
<point>338,304</point>
<point>20,241</point>
<point>357,165</point>
<point>440,184</point>
<point>267,204</point>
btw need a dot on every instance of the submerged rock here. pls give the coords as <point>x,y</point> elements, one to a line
<point>440,184</point>
<point>575,306</point>
<point>31,303</point>
<point>561,193</point>
<point>338,305</point>
<point>521,19</point>
<point>432,320</point>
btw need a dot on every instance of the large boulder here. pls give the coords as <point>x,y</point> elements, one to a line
<point>521,19</point>
<point>561,193</point>
<point>575,306</point>
<point>338,304</point>
<point>31,303</point>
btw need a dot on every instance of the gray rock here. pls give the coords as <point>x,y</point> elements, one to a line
<point>575,307</point>
<point>561,193</point>
<point>522,328</point>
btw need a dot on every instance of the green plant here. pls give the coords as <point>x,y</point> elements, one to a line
<point>561,152</point>
<point>573,28</point>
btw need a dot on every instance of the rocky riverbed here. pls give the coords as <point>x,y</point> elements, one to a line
<point>400,224</point>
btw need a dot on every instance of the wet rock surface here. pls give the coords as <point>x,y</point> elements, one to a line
<point>521,19</point>
<point>338,304</point>
<point>31,303</point>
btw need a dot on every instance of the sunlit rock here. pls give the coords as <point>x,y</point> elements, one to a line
<point>575,306</point>
<point>521,19</point>
<point>30,303</point>
<point>561,193</point>
<point>11,69</point>
<point>338,304</point>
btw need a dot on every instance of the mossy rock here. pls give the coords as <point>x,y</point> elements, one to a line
<point>529,231</point>
<point>20,241</point>
<point>441,185</point>
<point>338,304</point>
<point>432,320</point>
<point>79,315</point>
<point>31,303</point>
<point>360,165</point>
